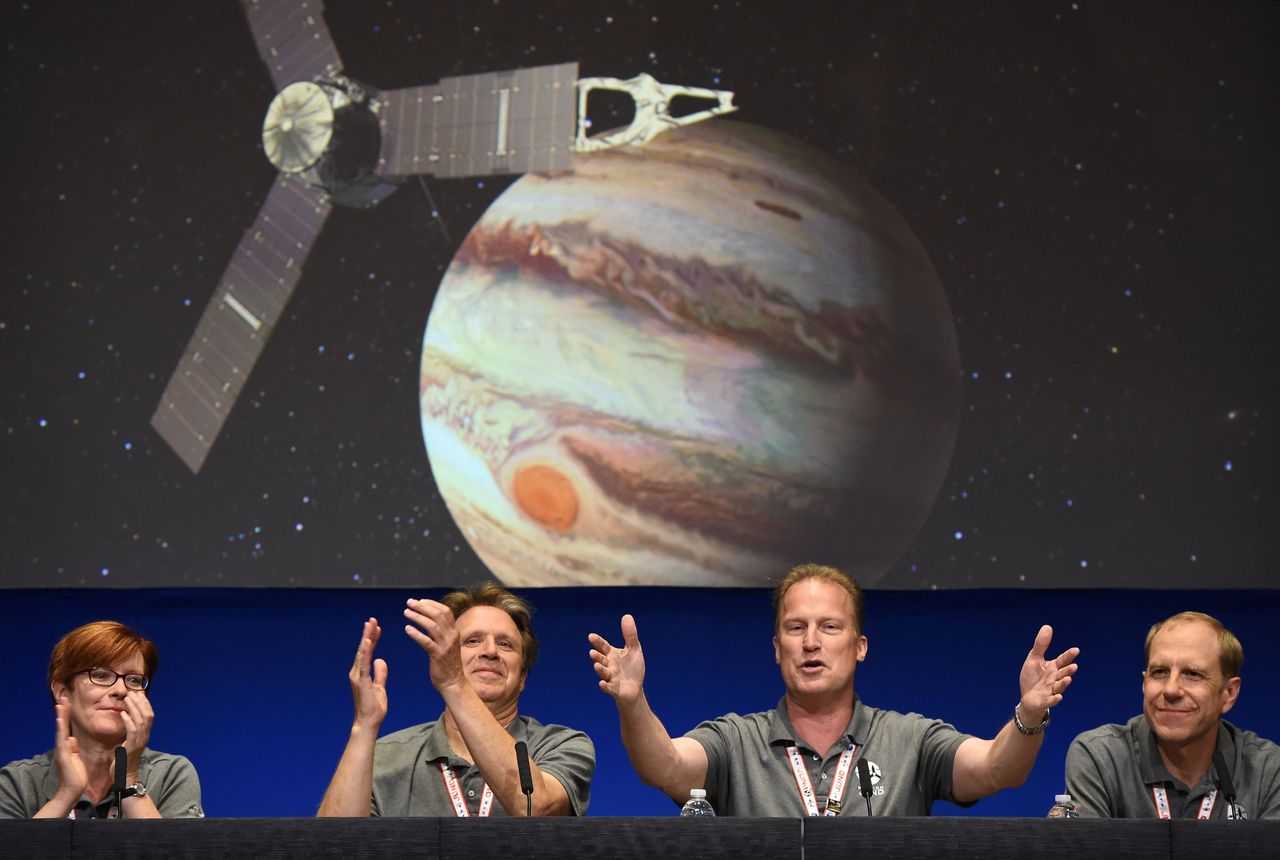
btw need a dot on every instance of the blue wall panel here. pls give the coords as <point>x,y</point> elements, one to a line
<point>252,685</point>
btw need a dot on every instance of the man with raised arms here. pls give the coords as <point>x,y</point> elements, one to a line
<point>1179,758</point>
<point>481,645</point>
<point>800,758</point>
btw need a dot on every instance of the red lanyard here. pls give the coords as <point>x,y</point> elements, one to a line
<point>455,794</point>
<point>806,787</point>
<point>1161,798</point>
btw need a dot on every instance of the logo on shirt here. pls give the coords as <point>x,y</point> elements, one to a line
<point>876,777</point>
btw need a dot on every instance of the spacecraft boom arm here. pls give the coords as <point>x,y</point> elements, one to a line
<point>653,109</point>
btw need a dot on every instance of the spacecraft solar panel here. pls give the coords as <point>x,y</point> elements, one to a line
<point>515,121</point>
<point>292,39</point>
<point>238,319</point>
<point>543,117</point>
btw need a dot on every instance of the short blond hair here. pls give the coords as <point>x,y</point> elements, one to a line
<point>1230,651</point>
<point>801,572</point>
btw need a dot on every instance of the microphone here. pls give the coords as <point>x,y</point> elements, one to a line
<point>122,765</point>
<point>526,778</point>
<point>1224,783</point>
<point>864,782</point>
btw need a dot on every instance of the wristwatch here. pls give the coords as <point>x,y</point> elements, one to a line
<point>1028,730</point>
<point>135,790</point>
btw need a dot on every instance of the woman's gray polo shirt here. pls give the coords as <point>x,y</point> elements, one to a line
<point>171,781</point>
<point>749,772</point>
<point>407,779</point>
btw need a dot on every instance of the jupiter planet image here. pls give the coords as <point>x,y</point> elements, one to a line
<point>700,361</point>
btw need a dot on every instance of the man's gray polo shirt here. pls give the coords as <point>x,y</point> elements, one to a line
<point>1112,769</point>
<point>171,781</point>
<point>407,779</point>
<point>749,772</point>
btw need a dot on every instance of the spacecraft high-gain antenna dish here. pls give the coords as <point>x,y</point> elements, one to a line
<point>298,127</point>
<point>337,141</point>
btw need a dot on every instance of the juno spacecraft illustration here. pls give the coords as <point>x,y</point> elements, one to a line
<point>337,141</point>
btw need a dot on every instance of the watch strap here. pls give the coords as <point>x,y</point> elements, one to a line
<point>1028,730</point>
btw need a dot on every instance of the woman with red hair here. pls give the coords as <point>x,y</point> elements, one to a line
<point>98,677</point>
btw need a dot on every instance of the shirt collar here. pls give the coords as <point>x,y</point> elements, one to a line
<point>436,746</point>
<point>782,732</point>
<point>1152,766</point>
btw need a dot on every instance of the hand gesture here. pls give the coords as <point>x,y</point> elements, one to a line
<point>138,717</point>
<point>73,776</point>
<point>369,679</point>
<point>1044,681</point>
<point>432,627</point>
<point>621,670</point>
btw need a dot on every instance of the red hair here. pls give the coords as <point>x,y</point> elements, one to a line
<point>99,643</point>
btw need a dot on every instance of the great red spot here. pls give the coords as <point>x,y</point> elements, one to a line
<point>546,495</point>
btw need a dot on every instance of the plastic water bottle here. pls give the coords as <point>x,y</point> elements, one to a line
<point>1063,807</point>
<point>697,804</point>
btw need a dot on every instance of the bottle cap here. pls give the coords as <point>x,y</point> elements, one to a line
<point>1062,798</point>
<point>697,792</point>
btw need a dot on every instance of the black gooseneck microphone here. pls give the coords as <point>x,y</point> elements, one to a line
<point>526,778</point>
<point>1225,785</point>
<point>122,764</point>
<point>864,782</point>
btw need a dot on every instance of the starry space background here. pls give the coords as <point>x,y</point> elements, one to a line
<point>1091,180</point>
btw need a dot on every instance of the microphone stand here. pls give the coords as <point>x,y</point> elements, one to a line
<point>122,764</point>
<point>526,778</point>
<point>1226,786</point>
<point>864,782</point>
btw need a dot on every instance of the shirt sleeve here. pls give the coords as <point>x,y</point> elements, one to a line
<point>570,757</point>
<point>1268,794</point>
<point>175,787</point>
<point>938,745</point>
<point>12,804</point>
<point>712,735</point>
<point>1086,783</point>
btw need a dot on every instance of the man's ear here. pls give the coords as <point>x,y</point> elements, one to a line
<point>1230,692</point>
